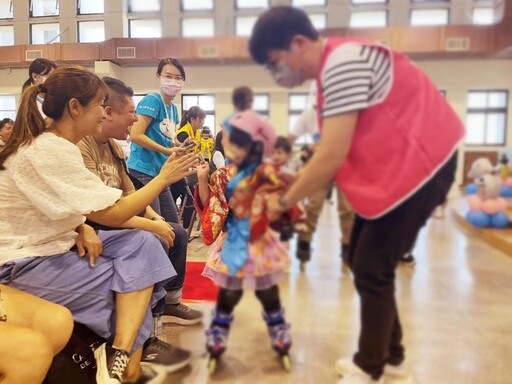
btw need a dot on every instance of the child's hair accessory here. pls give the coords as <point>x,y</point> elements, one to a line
<point>256,126</point>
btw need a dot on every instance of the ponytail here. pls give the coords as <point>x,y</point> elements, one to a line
<point>26,84</point>
<point>192,113</point>
<point>28,124</point>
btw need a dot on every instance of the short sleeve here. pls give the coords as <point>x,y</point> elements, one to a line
<point>149,106</point>
<point>355,76</point>
<point>52,175</point>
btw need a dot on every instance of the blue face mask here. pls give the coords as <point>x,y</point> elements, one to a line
<point>285,77</point>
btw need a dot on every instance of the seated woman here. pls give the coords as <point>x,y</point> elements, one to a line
<point>32,332</point>
<point>46,193</point>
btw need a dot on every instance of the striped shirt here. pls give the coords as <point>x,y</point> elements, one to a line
<point>355,76</point>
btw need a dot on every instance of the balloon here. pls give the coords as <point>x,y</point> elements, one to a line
<point>502,204</point>
<point>499,220</point>
<point>506,191</point>
<point>470,189</point>
<point>474,202</point>
<point>478,219</point>
<point>490,206</point>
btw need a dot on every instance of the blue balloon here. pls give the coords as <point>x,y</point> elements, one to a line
<point>506,191</point>
<point>479,219</point>
<point>470,189</point>
<point>499,220</point>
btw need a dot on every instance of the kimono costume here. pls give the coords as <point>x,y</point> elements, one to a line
<point>246,251</point>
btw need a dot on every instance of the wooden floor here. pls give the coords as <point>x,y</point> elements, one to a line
<point>455,306</point>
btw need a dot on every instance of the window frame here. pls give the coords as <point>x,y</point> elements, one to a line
<point>412,10</point>
<point>31,40</point>
<point>31,12</point>
<point>486,111</point>
<point>78,13</point>
<point>88,21</point>
<point>142,19</point>
<point>325,4</point>
<point>11,12</point>
<point>212,9</point>
<point>182,19</point>
<point>131,11</point>
<point>305,139</point>
<point>369,3</point>
<point>209,112</point>
<point>2,111</point>
<point>386,13</point>
<point>13,36</point>
<point>262,112</point>
<point>251,8</point>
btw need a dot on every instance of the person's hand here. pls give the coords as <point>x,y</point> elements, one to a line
<point>188,143</point>
<point>88,243</point>
<point>203,170</point>
<point>176,168</point>
<point>274,208</point>
<point>164,230</point>
<point>288,177</point>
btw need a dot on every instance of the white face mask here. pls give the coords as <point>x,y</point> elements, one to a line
<point>170,87</point>
<point>285,77</point>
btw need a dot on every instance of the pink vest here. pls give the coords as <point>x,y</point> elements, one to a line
<point>398,144</point>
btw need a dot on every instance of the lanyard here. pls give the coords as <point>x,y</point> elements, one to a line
<point>165,109</point>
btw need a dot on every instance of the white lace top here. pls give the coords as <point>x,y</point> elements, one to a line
<point>45,192</point>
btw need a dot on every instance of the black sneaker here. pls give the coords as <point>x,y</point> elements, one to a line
<point>408,260</point>
<point>161,354</point>
<point>110,364</point>
<point>181,314</point>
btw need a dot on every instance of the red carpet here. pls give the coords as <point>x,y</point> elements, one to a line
<point>197,287</point>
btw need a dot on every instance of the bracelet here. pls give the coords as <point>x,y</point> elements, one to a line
<point>155,218</point>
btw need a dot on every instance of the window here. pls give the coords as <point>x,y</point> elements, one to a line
<point>242,4</point>
<point>91,31</point>
<point>486,117</point>
<point>297,103</point>
<point>307,3</point>
<point>483,16</point>
<point>260,104</point>
<point>7,106</point>
<point>40,8</point>
<point>429,17</point>
<point>87,7</point>
<point>6,9</point>
<point>144,6</point>
<point>365,19</point>
<point>6,35</point>
<point>319,20</point>
<point>146,28</point>
<point>137,98</point>
<point>44,33</point>
<point>206,103</point>
<point>197,27</point>
<point>364,2</point>
<point>196,5</point>
<point>244,25</point>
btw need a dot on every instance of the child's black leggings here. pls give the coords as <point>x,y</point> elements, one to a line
<point>229,298</point>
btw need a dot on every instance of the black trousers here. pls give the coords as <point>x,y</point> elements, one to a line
<point>375,248</point>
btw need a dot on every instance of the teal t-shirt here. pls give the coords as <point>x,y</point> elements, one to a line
<point>142,159</point>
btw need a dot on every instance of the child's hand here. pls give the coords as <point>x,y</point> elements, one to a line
<point>203,170</point>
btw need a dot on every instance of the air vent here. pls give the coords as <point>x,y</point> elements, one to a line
<point>457,44</point>
<point>208,51</point>
<point>32,54</point>
<point>126,53</point>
